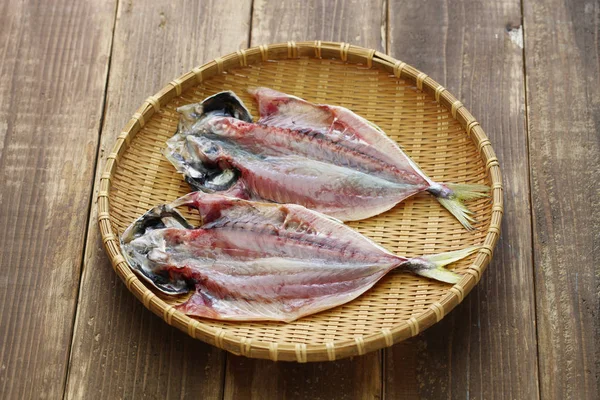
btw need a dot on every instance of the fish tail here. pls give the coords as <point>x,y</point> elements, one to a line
<point>432,266</point>
<point>452,195</point>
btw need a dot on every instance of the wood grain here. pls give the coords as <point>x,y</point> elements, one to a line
<point>53,65</point>
<point>486,348</point>
<point>359,378</point>
<point>120,349</point>
<point>563,75</point>
<point>355,378</point>
<point>353,21</point>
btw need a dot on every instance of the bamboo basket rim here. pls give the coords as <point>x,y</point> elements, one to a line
<point>301,352</point>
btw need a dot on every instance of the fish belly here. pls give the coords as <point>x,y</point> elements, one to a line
<point>338,191</point>
<point>276,289</point>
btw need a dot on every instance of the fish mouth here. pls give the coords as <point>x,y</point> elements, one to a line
<point>199,172</point>
<point>210,180</point>
<point>144,258</point>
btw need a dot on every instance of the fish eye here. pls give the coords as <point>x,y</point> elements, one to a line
<point>210,148</point>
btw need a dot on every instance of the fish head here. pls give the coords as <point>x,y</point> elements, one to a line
<point>204,149</point>
<point>190,114</point>
<point>229,128</point>
<point>215,180</point>
<point>206,166</point>
<point>194,117</point>
<point>226,104</point>
<point>203,162</point>
<point>144,248</point>
<point>163,216</point>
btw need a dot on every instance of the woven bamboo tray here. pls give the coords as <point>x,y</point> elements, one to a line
<point>433,127</point>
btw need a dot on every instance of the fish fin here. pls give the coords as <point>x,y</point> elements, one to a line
<point>367,130</point>
<point>198,305</point>
<point>285,111</point>
<point>452,195</point>
<point>290,112</point>
<point>190,200</point>
<point>334,219</point>
<point>463,191</point>
<point>217,208</point>
<point>214,206</point>
<point>432,266</point>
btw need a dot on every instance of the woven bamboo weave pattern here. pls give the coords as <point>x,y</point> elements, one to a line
<point>431,126</point>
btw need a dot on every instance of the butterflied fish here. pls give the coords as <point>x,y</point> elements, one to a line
<point>324,157</point>
<point>262,261</point>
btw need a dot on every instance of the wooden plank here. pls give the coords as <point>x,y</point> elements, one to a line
<point>120,349</point>
<point>353,21</point>
<point>53,66</point>
<point>486,348</point>
<point>563,76</point>
<point>358,378</point>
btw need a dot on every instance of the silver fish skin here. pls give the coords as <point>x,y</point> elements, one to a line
<point>315,184</point>
<point>262,261</point>
<point>324,157</point>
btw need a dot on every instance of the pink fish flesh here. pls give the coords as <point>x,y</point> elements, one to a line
<point>262,261</point>
<point>324,157</point>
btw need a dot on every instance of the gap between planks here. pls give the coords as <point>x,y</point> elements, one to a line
<point>529,185</point>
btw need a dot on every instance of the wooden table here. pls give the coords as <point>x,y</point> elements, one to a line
<point>73,72</point>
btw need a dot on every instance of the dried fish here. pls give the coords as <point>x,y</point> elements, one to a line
<point>324,157</point>
<point>262,261</point>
